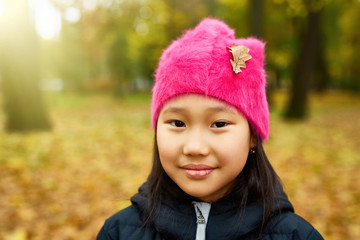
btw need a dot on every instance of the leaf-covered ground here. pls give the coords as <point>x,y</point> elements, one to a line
<point>63,184</point>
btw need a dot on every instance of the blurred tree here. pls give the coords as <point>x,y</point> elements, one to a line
<point>307,57</point>
<point>321,77</point>
<point>19,68</point>
<point>123,22</point>
<point>256,29</point>
<point>212,6</point>
<point>345,59</point>
<point>120,41</point>
<point>256,18</point>
<point>304,65</point>
<point>68,57</point>
<point>235,13</point>
<point>154,25</point>
<point>338,46</point>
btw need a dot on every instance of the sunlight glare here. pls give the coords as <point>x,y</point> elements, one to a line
<point>72,15</point>
<point>1,7</point>
<point>47,19</point>
<point>90,4</point>
<point>67,3</point>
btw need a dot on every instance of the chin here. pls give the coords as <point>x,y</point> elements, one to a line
<point>204,197</point>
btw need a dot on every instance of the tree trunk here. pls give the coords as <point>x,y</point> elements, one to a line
<point>20,72</point>
<point>257,31</point>
<point>321,76</point>
<point>305,63</point>
<point>256,18</point>
<point>211,7</point>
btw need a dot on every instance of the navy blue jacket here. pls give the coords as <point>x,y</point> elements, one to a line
<point>177,220</point>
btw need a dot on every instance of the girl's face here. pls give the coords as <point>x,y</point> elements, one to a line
<point>203,145</point>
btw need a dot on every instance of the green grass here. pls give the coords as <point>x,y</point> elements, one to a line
<point>62,184</point>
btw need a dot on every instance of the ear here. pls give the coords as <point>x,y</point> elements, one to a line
<point>253,139</point>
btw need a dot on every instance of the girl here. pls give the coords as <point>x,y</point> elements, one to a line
<point>210,177</point>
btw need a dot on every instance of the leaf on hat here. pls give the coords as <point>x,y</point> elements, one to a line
<point>240,55</point>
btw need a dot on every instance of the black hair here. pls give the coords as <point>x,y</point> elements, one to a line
<point>257,182</point>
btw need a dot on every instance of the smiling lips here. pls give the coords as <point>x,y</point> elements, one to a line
<point>197,171</point>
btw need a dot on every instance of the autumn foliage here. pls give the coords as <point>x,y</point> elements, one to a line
<point>63,184</point>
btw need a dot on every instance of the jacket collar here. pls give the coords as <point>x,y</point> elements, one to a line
<point>177,218</point>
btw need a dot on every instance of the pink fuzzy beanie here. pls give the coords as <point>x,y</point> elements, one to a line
<point>199,62</point>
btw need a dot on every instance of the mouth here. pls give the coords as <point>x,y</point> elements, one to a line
<point>197,170</point>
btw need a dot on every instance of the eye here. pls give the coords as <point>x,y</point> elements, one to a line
<point>177,123</point>
<point>219,124</point>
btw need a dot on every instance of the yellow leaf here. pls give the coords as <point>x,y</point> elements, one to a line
<point>18,234</point>
<point>240,55</point>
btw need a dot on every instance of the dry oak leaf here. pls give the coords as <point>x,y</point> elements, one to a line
<point>240,54</point>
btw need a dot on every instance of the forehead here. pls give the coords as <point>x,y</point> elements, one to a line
<point>198,102</point>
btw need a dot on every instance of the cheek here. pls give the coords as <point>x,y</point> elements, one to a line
<point>167,146</point>
<point>235,150</point>
<point>165,154</point>
<point>235,158</point>
<point>236,141</point>
<point>234,163</point>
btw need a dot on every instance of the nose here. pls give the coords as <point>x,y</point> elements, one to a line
<point>196,144</point>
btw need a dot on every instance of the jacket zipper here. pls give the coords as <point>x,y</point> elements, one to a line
<point>201,219</point>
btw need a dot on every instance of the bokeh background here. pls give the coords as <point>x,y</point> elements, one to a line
<point>75,85</point>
